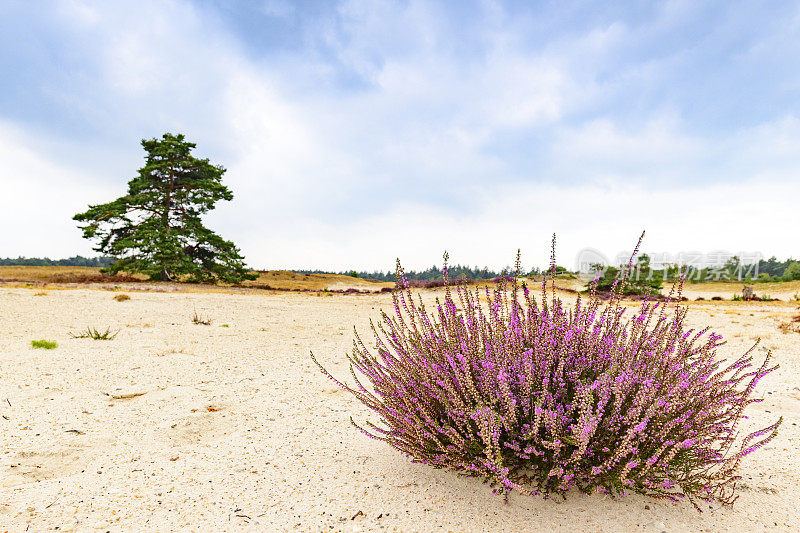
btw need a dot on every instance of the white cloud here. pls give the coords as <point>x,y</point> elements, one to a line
<point>39,198</point>
<point>753,216</point>
<point>42,195</point>
<point>79,13</point>
<point>658,151</point>
<point>776,141</point>
<point>661,152</point>
<point>658,141</point>
<point>405,165</point>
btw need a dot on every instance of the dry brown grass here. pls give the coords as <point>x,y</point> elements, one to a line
<point>122,297</point>
<point>792,325</point>
<point>782,290</point>
<point>287,280</point>
<point>94,278</point>
<point>274,279</point>
<point>60,274</point>
<point>293,281</point>
<point>42,273</point>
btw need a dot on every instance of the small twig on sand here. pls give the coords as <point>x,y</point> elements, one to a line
<point>54,501</point>
<point>127,396</point>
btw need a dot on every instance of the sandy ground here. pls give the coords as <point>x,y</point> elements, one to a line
<point>174,426</point>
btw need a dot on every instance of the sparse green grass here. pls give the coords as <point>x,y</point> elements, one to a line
<point>96,334</point>
<point>224,326</point>
<point>44,345</point>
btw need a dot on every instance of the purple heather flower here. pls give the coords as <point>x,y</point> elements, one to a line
<point>574,396</point>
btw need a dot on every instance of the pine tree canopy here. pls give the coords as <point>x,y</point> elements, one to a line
<point>156,229</point>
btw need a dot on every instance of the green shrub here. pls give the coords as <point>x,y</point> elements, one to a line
<point>792,272</point>
<point>640,279</point>
<point>44,345</point>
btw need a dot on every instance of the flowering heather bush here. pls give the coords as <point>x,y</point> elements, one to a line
<point>542,397</point>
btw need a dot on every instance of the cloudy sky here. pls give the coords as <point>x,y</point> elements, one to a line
<point>355,132</point>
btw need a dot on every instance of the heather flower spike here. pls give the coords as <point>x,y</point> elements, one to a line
<point>543,397</point>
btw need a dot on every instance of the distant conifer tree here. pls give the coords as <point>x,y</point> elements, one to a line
<point>156,229</point>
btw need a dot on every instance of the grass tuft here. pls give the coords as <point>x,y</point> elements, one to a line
<point>197,319</point>
<point>96,334</point>
<point>122,297</point>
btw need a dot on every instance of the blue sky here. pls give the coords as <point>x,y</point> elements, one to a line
<point>355,132</point>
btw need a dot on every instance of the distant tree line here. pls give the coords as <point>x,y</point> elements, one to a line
<point>768,270</point>
<point>735,270</point>
<point>431,274</point>
<point>77,261</point>
<point>642,279</point>
<point>776,268</point>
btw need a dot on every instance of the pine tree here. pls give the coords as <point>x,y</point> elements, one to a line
<point>156,229</point>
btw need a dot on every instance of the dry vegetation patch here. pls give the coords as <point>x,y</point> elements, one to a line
<point>282,280</point>
<point>293,281</point>
<point>62,274</point>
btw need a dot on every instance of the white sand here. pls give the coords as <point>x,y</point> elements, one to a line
<point>233,428</point>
